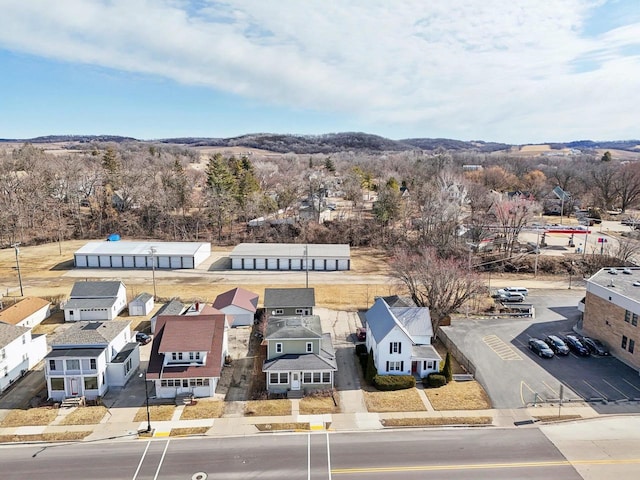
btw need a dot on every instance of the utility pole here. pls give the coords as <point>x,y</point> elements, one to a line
<point>153,272</point>
<point>306,264</point>
<point>15,245</point>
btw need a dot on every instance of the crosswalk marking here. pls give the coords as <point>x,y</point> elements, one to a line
<point>504,351</point>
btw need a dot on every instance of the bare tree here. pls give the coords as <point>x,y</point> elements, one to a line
<point>627,185</point>
<point>512,216</point>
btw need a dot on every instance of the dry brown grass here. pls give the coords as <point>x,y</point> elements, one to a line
<point>435,421</point>
<point>269,427</point>
<point>184,431</point>
<point>318,406</point>
<point>203,409</point>
<point>264,408</point>
<point>85,416</point>
<point>49,325</point>
<point>158,413</point>
<point>45,437</point>
<point>459,396</point>
<point>397,401</point>
<point>30,417</point>
<point>556,418</point>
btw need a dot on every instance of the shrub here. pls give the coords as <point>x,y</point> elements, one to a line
<point>394,382</point>
<point>434,380</point>
<point>370,372</point>
<point>361,349</point>
<point>447,370</point>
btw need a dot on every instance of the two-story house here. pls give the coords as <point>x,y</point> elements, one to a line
<point>95,301</point>
<point>400,339</point>
<point>188,353</point>
<point>300,356</point>
<point>19,352</point>
<point>90,357</point>
<point>289,301</point>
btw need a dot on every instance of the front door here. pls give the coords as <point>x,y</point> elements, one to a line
<point>295,381</point>
<point>73,386</point>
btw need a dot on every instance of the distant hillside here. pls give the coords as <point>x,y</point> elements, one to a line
<point>73,138</point>
<point>627,145</point>
<point>448,144</point>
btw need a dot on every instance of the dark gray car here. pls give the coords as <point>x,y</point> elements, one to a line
<point>557,345</point>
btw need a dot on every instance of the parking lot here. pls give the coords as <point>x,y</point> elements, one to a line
<point>514,376</point>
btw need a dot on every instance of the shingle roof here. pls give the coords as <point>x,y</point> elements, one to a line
<point>90,333</point>
<point>75,352</point>
<point>95,289</point>
<point>425,351</point>
<point>289,297</point>
<point>188,333</point>
<point>238,297</point>
<point>17,312</point>
<point>76,303</point>
<point>414,321</point>
<point>280,328</point>
<point>8,333</point>
<point>142,298</point>
<point>174,307</point>
<point>308,362</point>
<point>398,301</point>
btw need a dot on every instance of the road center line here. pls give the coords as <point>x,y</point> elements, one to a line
<point>161,460</point>
<point>141,460</point>
<point>617,390</point>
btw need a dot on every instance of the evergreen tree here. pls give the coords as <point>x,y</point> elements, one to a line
<point>329,165</point>
<point>219,177</point>
<point>371,372</point>
<point>447,369</point>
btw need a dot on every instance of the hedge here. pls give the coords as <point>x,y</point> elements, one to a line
<point>394,382</point>
<point>434,380</point>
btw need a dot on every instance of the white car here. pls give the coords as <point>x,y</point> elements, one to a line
<point>511,290</point>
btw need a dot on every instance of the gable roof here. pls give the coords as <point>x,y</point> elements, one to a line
<point>8,333</point>
<point>289,297</point>
<point>416,320</point>
<point>325,360</point>
<point>17,312</point>
<point>398,301</point>
<point>413,321</point>
<point>238,297</point>
<point>95,289</point>
<point>293,327</point>
<point>174,307</point>
<point>188,333</point>
<point>90,333</point>
<point>142,298</point>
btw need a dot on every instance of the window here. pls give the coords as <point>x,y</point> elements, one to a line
<point>316,377</point>
<point>394,366</point>
<point>185,382</point>
<point>24,339</point>
<point>632,344</point>
<point>197,355</point>
<point>634,319</point>
<point>90,383</point>
<point>57,384</point>
<point>302,311</point>
<point>624,342</point>
<point>306,377</point>
<point>127,366</point>
<point>192,382</point>
<point>92,363</point>
<point>176,356</point>
<point>309,347</point>
<point>73,364</point>
<point>326,377</point>
<point>191,356</point>
<point>275,378</point>
<point>627,316</point>
<point>52,364</point>
<point>278,311</point>
<point>278,348</point>
<point>395,347</point>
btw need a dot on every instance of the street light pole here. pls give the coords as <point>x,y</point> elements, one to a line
<point>306,264</point>
<point>146,394</point>
<point>15,245</point>
<point>153,272</point>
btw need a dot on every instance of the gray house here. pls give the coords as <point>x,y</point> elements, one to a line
<point>289,301</point>
<point>300,357</point>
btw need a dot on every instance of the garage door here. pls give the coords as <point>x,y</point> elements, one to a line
<point>127,261</point>
<point>261,264</point>
<point>343,264</point>
<point>105,261</point>
<point>236,263</point>
<point>163,262</point>
<point>141,262</point>
<point>81,261</point>
<point>187,262</point>
<point>116,261</point>
<point>92,261</point>
<point>176,262</point>
<point>296,264</point>
<point>272,263</point>
<point>284,264</point>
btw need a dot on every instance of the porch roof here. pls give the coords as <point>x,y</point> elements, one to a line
<point>426,352</point>
<point>299,362</point>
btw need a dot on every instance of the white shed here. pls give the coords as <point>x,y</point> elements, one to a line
<point>141,305</point>
<point>291,256</point>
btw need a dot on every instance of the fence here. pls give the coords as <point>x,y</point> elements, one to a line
<point>460,357</point>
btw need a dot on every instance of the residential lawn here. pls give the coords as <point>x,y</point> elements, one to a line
<point>556,418</point>
<point>397,401</point>
<point>203,409</point>
<point>45,437</point>
<point>85,416</point>
<point>30,417</point>
<point>49,325</point>
<point>436,421</point>
<point>263,408</point>
<point>269,427</point>
<point>459,396</point>
<point>180,432</point>
<point>318,405</point>
<point>158,413</point>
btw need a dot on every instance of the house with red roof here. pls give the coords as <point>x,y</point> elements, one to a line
<point>188,353</point>
<point>239,303</point>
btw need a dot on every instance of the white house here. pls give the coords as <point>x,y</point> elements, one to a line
<point>400,338</point>
<point>240,304</point>
<point>95,301</point>
<point>19,352</point>
<point>28,312</point>
<point>90,357</point>
<point>188,353</point>
<point>142,305</point>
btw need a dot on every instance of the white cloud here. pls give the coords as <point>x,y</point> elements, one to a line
<point>495,69</point>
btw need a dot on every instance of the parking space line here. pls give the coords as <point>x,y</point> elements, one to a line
<point>596,390</point>
<point>504,351</point>
<point>555,392</point>
<point>523,384</point>
<point>617,390</point>
<point>629,383</point>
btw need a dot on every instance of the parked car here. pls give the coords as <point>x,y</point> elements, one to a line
<point>595,346</point>
<point>361,334</point>
<point>557,345</point>
<point>509,297</point>
<point>576,346</point>
<point>511,290</point>
<point>142,338</point>
<point>540,348</point>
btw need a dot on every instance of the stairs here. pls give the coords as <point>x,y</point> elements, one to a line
<point>184,399</point>
<point>295,394</point>
<point>71,402</point>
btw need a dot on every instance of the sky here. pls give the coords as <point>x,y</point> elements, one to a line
<point>513,71</point>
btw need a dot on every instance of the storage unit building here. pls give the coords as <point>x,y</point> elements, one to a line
<point>291,256</point>
<point>167,255</point>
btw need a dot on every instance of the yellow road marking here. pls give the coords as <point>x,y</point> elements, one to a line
<point>523,384</point>
<point>485,466</point>
<point>550,388</point>
<point>504,351</point>
<point>161,434</point>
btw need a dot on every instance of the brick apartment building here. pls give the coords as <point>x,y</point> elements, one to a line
<point>612,312</point>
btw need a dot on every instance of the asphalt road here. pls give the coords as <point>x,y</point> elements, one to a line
<point>411,454</point>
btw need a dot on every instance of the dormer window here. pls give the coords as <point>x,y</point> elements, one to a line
<point>176,356</point>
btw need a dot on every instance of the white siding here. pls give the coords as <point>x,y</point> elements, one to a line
<point>382,354</point>
<point>92,261</point>
<point>81,260</point>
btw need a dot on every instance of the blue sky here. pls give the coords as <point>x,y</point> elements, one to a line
<point>521,71</point>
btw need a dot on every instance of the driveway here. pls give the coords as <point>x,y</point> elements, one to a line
<point>514,377</point>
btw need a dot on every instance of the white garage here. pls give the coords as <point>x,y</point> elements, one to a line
<point>122,254</point>
<point>291,256</point>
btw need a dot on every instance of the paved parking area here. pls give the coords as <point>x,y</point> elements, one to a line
<point>514,376</point>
